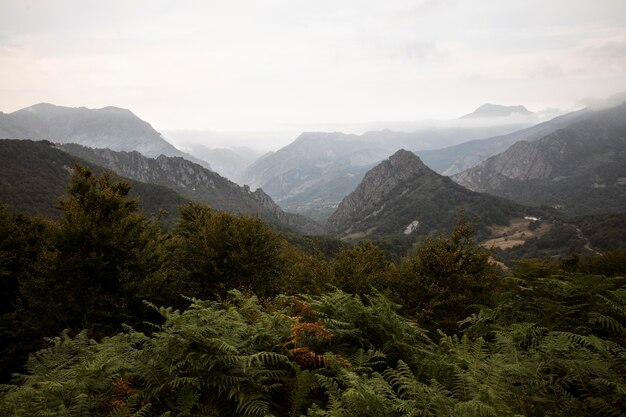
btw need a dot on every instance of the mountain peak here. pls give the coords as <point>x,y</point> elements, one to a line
<point>39,107</point>
<point>497,110</point>
<point>404,156</point>
<point>401,194</point>
<point>379,184</point>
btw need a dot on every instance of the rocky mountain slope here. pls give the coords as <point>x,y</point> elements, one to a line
<point>196,183</point>
<point>580,168</point>
<point>300,175</point>
<point>109,127</point>
<point>33,175</point>
<point>454,159</point>
<point>402,195</point>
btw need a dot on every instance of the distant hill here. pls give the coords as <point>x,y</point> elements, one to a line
<point>402,195</point>
<point>195,183</point>
<point>496,110</point>
<point>109,127</point>
<point>33,175</point>
<point>454,159</point>
<point>580,168</point>
<point>300,175</point>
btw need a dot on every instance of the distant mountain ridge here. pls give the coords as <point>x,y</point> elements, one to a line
<point>496,110</point>
<point>580,168</point>
<point>454,159</point>
<point>109,127</point>
<point>300,175</point>
<point>403,195</point>
<point>196,183</point>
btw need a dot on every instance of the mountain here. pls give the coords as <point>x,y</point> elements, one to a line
<point>195,183</point>
<point>454,159</point>
<point>496,110</point>
<point>580,168</point>
<point>33,175</point>
<point>109,127</point>
<point>300,175</point>
<point>402,195</point>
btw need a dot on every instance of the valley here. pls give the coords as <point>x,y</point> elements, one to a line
<point>516,233</point>
<point>91,230</point>
<point>312,208</point>
<point>558,168</point>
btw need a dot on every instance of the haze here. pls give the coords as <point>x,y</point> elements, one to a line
<point>284,66</point>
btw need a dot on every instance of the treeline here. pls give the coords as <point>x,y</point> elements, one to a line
<point>286,330</point>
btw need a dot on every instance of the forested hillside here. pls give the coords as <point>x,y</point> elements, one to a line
<point>264,327</point>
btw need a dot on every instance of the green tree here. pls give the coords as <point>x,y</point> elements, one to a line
<point>303,272</point>
<point>103,251</point>
<point>444,278</point>
<point>213,251</point>
<point>24,242</point>
<point>360,269</point>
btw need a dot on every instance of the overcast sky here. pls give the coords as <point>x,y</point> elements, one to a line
<point>264,65</point>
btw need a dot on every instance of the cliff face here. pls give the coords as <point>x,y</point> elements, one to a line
<point>402,195</point>
<point>195,183</point>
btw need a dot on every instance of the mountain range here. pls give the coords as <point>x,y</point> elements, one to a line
<point>454,159</point>
<point>312,174</point>
<point>579,168</point>
<point>574,163</point>
<point>195,183</point>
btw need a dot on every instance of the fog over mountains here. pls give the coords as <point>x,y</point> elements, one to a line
<point>573,162</point>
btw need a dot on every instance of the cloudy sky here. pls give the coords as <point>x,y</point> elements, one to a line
<point>270,64</point>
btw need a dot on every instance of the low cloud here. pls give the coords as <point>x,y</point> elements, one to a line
<point>602,103</point>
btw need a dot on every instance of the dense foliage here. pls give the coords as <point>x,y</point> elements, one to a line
<point>285,330</point>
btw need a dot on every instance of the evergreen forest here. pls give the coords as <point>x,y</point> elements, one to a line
<point>108,312</point>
